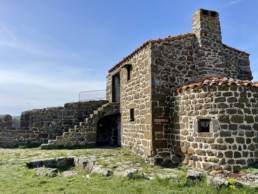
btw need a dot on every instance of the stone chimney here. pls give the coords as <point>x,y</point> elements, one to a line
<point>206,27</point>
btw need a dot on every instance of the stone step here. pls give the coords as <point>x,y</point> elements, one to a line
<point>51,141</point>
<point>81,124</point>
<point>65,134</point>
<point>70,129</point>
<point>58,138</point>
<point>100,109</point>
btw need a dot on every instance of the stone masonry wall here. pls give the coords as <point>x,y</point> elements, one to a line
<point>6,122</point>
<point>135,94</point>
<point>237,63</point>
<point>232,140</point>
<point>186,58</point>
<point>56,120</point>
<point>10,138</point>
<point>173,64</point>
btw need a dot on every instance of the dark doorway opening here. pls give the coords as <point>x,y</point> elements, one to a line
<point>116,88</point>
<point>108,131</point>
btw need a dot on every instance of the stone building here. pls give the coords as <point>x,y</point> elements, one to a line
<point>181,99</point>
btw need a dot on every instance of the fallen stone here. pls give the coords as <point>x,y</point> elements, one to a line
<point>85,163</point>
<point>69,173</point>
<point>50,172</point>
<point>64,163</point>
<point>217,181</point>
<point>102,171</point>
<point>194,175</point>
<point>130,173</point>
<point>60,163</point>
<point>166,176</point>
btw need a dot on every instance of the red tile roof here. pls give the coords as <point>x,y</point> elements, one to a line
<point>169,38</point>
<point>211,80</point>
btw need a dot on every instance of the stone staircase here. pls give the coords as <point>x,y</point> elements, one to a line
<point>84,134</point>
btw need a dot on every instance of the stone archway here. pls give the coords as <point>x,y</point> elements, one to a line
<point>109,131</point>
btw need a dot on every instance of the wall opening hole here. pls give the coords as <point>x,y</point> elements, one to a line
<point>131,114</point>
<point>204,125</point>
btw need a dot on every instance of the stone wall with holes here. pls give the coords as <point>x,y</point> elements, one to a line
<point>231,142</point>
<point>135,94</point>
<point>56,120</point>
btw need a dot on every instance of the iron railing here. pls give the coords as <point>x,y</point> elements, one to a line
<point>92,95</point>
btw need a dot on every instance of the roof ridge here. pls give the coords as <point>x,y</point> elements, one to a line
<point>215,80</point>
<point>168,38</point>
<point>235,49</point>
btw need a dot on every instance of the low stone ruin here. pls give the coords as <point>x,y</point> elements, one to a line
<point>90,165</point>
<point>6,122</point>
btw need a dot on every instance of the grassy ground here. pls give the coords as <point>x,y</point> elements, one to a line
<point>15,178</point>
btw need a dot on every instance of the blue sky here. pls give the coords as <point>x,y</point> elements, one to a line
<point>50,50</point>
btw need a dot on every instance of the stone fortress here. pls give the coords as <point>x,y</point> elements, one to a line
<point>182,99</point>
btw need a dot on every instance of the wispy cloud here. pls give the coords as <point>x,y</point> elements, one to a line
<point>233,2</point>
<point>43,76</point>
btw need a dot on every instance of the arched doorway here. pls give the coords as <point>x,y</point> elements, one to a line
<point>108,131</point>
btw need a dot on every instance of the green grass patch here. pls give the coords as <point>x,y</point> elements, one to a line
<point>16,178</point>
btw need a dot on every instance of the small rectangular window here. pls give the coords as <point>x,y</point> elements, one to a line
<point>204,125</point>
<point>128,68</point>
<point>128,73</point>
<point>132,114</point>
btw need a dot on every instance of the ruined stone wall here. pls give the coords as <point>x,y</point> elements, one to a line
<point>173,64</point>
<point>18,137</point>
<point>232,140</point>
<point>6,122</point>
<point>56,120</point>
<point>135,94</point>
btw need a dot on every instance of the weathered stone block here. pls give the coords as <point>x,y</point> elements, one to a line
<point>237,119</point>
<point>220,99</point>
<point>237,154</point>
<point>240,140</point>
<point>249,119</point>
<point>223,118</point>
<point>229,154</point>
<point>229,140</point>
